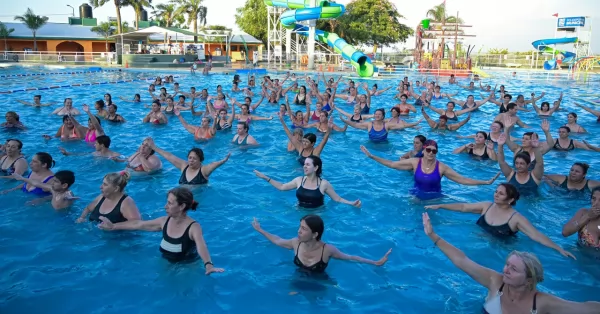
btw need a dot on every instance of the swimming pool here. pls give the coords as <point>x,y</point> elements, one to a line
<point>52,265</point>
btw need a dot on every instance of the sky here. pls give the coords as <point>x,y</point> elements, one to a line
<point>511,24</point>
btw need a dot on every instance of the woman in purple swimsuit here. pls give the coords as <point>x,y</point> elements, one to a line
<point>428,172</point>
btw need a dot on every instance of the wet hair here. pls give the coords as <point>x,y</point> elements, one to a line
<point>573,114</point>
<point>315,224</point>
<point>430,143</point>
<point>68,98</point>
<point>118,179</point>
<point>103,140</point>
<point>45,158</point>
<point>511,105</point>
<point>222,110</point>
<point>375,85</point>
<point>509,96</point>
<point>444,117</point>
<point>136,96</point>
<point>566,128</point>
<point>185,197</point>
<point>583,167</point>
<point>109,98</point>
<point>530,134</point>
<point>101,103</point>
<point>113,105</point>
<point>65,176</point>
<point>38,96</point>
<point>500,123</point>
<point>533,267</point>
<point>19,143</point>
<point>97,119</point>
<point>404,95</point>
<point>14,114</point>
<point>317,163</point>
<point>156,101</point>
<point>199,152</point>
<point>65,118</point>
<point>421,138</point>
<point>181,96</point>
<point>382,111</point>
<point>311,137</point>
<point>482,133</point>
<point>395,109</point>
<point>523,155</point>
<point>244,125</point>
<point>545,103</point>
<point>594,190</point>
<point>511,192</point>
<point>452,103</point>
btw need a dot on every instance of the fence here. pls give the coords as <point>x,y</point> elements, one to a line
<point>59,57</point>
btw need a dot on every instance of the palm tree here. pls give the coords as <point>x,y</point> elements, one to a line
<point>195,11</point>
<point>166,14</point>
<point>33,22</point>
<point>138,6</point>
<point>105,30</point>
<point>118,5</point>
<point>438,14</point>
<point>4,33</point>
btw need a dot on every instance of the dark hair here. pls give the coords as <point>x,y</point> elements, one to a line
<point>315,224</point>
<point>451,102</point>
<point>109,98</point>
<point>382,111</point>
<point>45,158</point>
<point>65,176</point>
<point>511,192</point>
<point>566,128</point>
<point>594,190</point>
<point>508,95</point>
<point>500,123</point>
<point>19,143</point>
<point>583,166</point>
<point>136,96</point>
<point>101,103</point>
<point>114,106</point>
<point>65,118</point>
<point>198,153</point>
<point>375,85</point>
<point>523,155</point>
<point>511,105</point>
<point>530,134</point>
<point>181,96</point>
<point>311,137</point>
<point>317,163</point>
<point>421,138</point>
<point>97,119</point>
<point>38,96</point>
<point>482,133</point>
<point>573,114</point>
<point>545,103</point>
<point>444,117</point>
<point>244,125</point>
<point>185,197</point>
<point>156,101</point>
<point>395,109</point>
<point>103,140</point>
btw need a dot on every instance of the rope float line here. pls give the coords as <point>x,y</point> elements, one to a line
<point>55,73</point>
<point>75,85</point>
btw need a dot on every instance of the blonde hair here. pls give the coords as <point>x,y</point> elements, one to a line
<point>533,267</point>
<point>118,179</point>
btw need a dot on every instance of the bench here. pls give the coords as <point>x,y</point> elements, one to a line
<point>513,65</point>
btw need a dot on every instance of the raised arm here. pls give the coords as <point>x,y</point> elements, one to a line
<point>484,276</point>
<point>284,243</point>
<point>456,126</point>
<point>357,125</point>
<point>176,161</point>
<point>278,185</point>
<point>189,128</point>
<point>208,169</point>
<point>504,167</point>
<point>403,164</point>
<point>476,208</point>
<point>431,123</point>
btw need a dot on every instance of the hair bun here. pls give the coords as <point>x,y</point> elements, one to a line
<point>194,205</point>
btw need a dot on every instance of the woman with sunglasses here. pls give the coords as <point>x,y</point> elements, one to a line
<point>428,172</point>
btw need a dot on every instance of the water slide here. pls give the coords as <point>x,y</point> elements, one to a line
<point>302,10</point>
<point>543,45</point>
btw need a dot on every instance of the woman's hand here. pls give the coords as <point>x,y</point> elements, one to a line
<point>502,139</point>
<point>86,108</point>
<point>384,259</point>
<point>545,125</point>
<point>211,269</point>
<point>16,176</point>
<point>177,112</point>
<point>106,224</point>
<point>490,181</point>
<point>356,204</point>
<point>566,254</point>
<point>427,225</point>
<point>260,175</point>
<point>366,151</point>
<point>150,142</point>
<point>433,207</point>
<point>256,224</point>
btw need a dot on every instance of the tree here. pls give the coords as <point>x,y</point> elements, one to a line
<point>165,13</point>
<point>4,33</point>
<point>138,6</point>
<point>252,19</point>
<point>195,11</point>
<point>438,14</point>
<point>218,30</point>
<point>373,22</point>
<point>105,30</point>
<point>118,5</point>
<point>33,22</point>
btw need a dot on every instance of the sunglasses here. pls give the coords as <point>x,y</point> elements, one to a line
<point>432,151</point>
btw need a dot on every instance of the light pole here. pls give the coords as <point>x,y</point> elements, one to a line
<point>72,8</point>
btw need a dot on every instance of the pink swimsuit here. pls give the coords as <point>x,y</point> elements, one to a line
<point>90,136</point>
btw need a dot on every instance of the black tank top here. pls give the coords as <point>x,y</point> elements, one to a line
<point>302,159</point>
<point>498,230</point>
<point>565,185</point>
<point>485,155</point>
<point>310,198</point>
<point>197,180</point>
<point>317,267</point>
<point>177,249</point>
<point>115,215</point>
<point>558,147</point>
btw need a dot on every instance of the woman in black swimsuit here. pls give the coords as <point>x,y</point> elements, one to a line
<point>182,240</point>
<point>482,149</point>
<point>13,161</point>
<point>112,114</point>
<point>310,188</point>
<point>312,254</point>
<point>112,204</point>
<point>518,281</point>
<point>192,170</point>
<point>563,142</point>
<point>576,180</point>
<point>306,147</point>
<point>500,219</point>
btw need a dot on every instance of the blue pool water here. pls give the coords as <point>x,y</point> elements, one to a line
<point>52,265</point>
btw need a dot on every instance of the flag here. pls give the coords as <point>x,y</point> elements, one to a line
<point>555,14</point>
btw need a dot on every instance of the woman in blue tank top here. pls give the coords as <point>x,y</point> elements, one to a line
<point>310,188</point>
<point>500,219</point>
<point>428,172</point>
<point>378,129</point>
<point>525,181</point>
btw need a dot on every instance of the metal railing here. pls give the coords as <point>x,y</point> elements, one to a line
<point>59,57</point>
